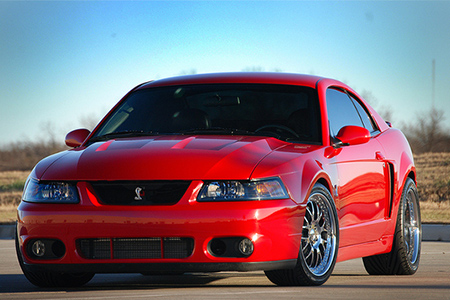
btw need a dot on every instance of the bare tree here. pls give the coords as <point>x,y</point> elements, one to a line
<point>24,155</point>
<point>384,111</point>
<point>189,72</point>
<point>89,121</point>
<point>426,133</point>
<point>253,69</point>
<point>260,69</point>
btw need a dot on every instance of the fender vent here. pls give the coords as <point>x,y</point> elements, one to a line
<point>391,187</point>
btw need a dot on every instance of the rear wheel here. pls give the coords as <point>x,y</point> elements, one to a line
<point>52,279</point>
<point>319,243</point>
<point>405,254</point>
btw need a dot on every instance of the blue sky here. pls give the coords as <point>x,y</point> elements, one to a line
<point>61,62</point>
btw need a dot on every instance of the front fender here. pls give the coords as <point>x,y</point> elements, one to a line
<point>300,167</point>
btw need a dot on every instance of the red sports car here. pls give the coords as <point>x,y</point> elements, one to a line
<point>278,172</point>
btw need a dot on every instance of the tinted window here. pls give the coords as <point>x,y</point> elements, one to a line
<point>364,116</point>
<point>341,111</point>
<point>260,109</point>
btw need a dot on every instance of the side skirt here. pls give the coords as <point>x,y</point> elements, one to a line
<point>383,245</point>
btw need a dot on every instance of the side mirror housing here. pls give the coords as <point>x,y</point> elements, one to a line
<point>353,135</point>
<point>76,137</point>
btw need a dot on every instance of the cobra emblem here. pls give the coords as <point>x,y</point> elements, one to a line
<point>139,193</point>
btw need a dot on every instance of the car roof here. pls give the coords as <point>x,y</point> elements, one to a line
<point>238,77</point>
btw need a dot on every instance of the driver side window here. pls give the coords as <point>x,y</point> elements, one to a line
<point>341,111</point>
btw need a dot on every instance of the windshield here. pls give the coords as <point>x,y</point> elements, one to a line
<point>289,113</point>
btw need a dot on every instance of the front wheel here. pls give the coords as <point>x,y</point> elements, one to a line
<point>319,243</point>
<point>405,254</point>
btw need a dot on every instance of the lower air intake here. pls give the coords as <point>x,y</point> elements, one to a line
<point>135,248</point>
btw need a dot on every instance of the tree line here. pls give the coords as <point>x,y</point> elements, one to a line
<point>426,133</point>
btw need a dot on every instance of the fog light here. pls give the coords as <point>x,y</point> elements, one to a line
<point>246,247</point>
<point>38,248</point>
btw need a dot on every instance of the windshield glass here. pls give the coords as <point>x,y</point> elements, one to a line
<point>290,113</point>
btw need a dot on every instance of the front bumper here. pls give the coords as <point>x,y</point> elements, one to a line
<point>273,226</point>
<point>157,268</point>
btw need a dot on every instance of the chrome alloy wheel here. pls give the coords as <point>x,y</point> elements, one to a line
<point>411,229</point>
<point>318,244</point>
<point>404,257</point>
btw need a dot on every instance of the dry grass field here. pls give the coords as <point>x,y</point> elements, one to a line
<point>11,185</point>
<point>433,181</point>
<point>433,176</point>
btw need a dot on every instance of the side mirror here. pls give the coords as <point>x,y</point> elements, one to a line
<point>352,135</point>
<point>76,137</point>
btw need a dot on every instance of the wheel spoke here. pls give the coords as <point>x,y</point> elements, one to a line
<point>318,258</point>
<point>308,213</point>
<point>318,238</point>
<point>309,255</point>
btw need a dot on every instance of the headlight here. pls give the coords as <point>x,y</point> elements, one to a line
<point>230,190</point>
<point>50,192</point>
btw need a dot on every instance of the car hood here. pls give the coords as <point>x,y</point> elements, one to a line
<point>161,158</point>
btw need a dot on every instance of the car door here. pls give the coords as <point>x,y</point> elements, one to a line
<point>361,191</point>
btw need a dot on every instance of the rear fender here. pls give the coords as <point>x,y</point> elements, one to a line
<point>404,170</point>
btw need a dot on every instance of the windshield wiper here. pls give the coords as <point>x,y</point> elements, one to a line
<point>121,134</point>
<point>218,130</point>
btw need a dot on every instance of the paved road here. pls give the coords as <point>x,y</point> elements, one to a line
<point>349,281</point>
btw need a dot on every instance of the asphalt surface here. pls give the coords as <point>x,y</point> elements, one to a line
<point>349,281</point>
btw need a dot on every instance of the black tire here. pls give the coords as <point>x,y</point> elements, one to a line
<point>319,243</point>
<point>405,254</point>
<point>51,279</point>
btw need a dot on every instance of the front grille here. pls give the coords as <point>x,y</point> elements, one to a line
<point>135,248</point>
<point>95,248</point>
<point>158,192</point>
